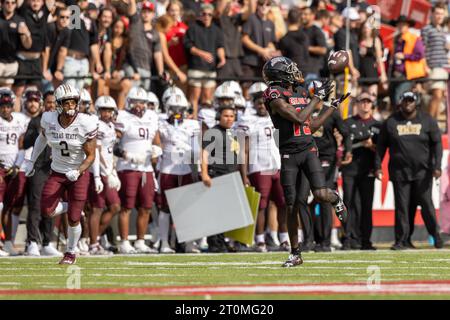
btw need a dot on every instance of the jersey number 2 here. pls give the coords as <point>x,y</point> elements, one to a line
<point>65,149</point>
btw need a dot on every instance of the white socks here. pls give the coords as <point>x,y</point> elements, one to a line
<point>164,225</point>
<point>260,238</point>
<point>1,207</point>
<point>284,237</point>
<point>73,236</point>
<point>14,225</point>
<point>300,235</point>
<point>60,208</point>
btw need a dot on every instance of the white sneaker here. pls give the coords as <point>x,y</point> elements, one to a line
<point>83,245</point>
<point>9,247</point>
<point>141,247</point>
<point>98,250</point>
<point>126,248</point>
<point>104,242</point>
<point>335,243</point>
<point>33,249</point>
<point>204,244</point>
<point>165,248</point>
<point>190,247</point>
<point>3,253</point>
<point>51,251</point>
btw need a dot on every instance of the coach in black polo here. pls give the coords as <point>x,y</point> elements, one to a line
<point>415,148</point>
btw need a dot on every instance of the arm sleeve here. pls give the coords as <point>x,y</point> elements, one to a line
<point>39,146</point>
<point>418,52</point>
<point>96,164</point>
<point>91,129</point>
<point>31,134</point>
<point>20,157</point>
<point>344,131</point>
<point>382,145</point>
<point>219,39</point>
<point>156,42</point>
<point>435,144</point>
<point>247,28</point>
<point>188,39</point>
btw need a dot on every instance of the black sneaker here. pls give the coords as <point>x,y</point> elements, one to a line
<point>306,247</point>
<point>438,242</point>
<point>293,260</point>
<point>368,247</point>
<point>340,209</point>
<point>284,246</point>
<point>322,248</point>
<point>409,245</point>
<point>398,246</point>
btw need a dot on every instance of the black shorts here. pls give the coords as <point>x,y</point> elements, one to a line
<point>29,68</point>
<point>292,166</point>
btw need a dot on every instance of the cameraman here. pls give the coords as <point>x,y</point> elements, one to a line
<point>358,176</point>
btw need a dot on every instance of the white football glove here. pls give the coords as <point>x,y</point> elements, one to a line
<point>156,151</point>
<point>29,168</point>
<point>114,181</point>
<point>322,90</point>
<point>98,184</point>
<point>136,158</point>
<point>73,175</point>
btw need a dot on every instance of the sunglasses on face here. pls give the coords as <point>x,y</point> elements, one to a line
<point>64,17</point>
<point>207,14</point>
<point>263,4</point>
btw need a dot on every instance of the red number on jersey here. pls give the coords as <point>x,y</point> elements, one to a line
<point>297,131</point>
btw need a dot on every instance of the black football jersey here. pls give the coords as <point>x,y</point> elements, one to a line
<point>294,138</point>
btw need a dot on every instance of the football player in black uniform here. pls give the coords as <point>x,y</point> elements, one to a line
<point>290,113</point>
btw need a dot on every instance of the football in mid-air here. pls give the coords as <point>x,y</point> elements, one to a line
<point>337,61</point>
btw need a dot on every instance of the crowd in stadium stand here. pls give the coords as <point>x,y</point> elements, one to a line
<point>109,47</point>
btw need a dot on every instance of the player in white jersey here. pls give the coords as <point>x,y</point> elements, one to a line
<point>31,107</point>
<point>264,168</point>
<point>207,115</point>
<point>178,139</point>
<point>72,137</point>
<point>137,129</point>
<point>107,196</point>
<point>11,128</point>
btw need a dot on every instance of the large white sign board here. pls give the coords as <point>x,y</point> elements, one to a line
<point>199,211</point>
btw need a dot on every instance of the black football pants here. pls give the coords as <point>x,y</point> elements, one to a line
<point>323,221</point>
<point>408,195</point>
<point>36,223</point>
<point>358,197</point>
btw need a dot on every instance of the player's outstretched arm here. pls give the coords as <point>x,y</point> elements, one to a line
<point>288,112</point>
<point>39,146</point>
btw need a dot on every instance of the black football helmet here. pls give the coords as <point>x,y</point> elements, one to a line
<point>281,70</point>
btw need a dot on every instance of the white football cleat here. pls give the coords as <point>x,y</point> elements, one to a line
<point>141,247</point>
<point>50,251</point>
<point>126,248</point>
<point>32,249</point>
<point>9,247</point>
<point>190,247</point>
<point>165,247</point>
<point>203,244</point>
<point>83,246</point>
<point>98,250</point>
<point>3,253</point>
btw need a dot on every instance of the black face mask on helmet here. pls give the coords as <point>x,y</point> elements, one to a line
<point>282,71</point>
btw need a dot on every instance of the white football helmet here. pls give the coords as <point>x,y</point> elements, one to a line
<point>177,105</point>
<point>235,87</point>
<point>224,91</point>
<point>85,96</point>
<point>239,102</point>
<point>66,92</point>
<point>168,93</point>
<point>152,98</point>
<point>136,94</point>
<point>257,88</point>
<point>105,102</point>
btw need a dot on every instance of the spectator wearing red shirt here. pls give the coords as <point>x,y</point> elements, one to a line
<point>174,37</point>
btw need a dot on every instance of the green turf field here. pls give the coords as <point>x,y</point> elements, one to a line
<point>403,275</point>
